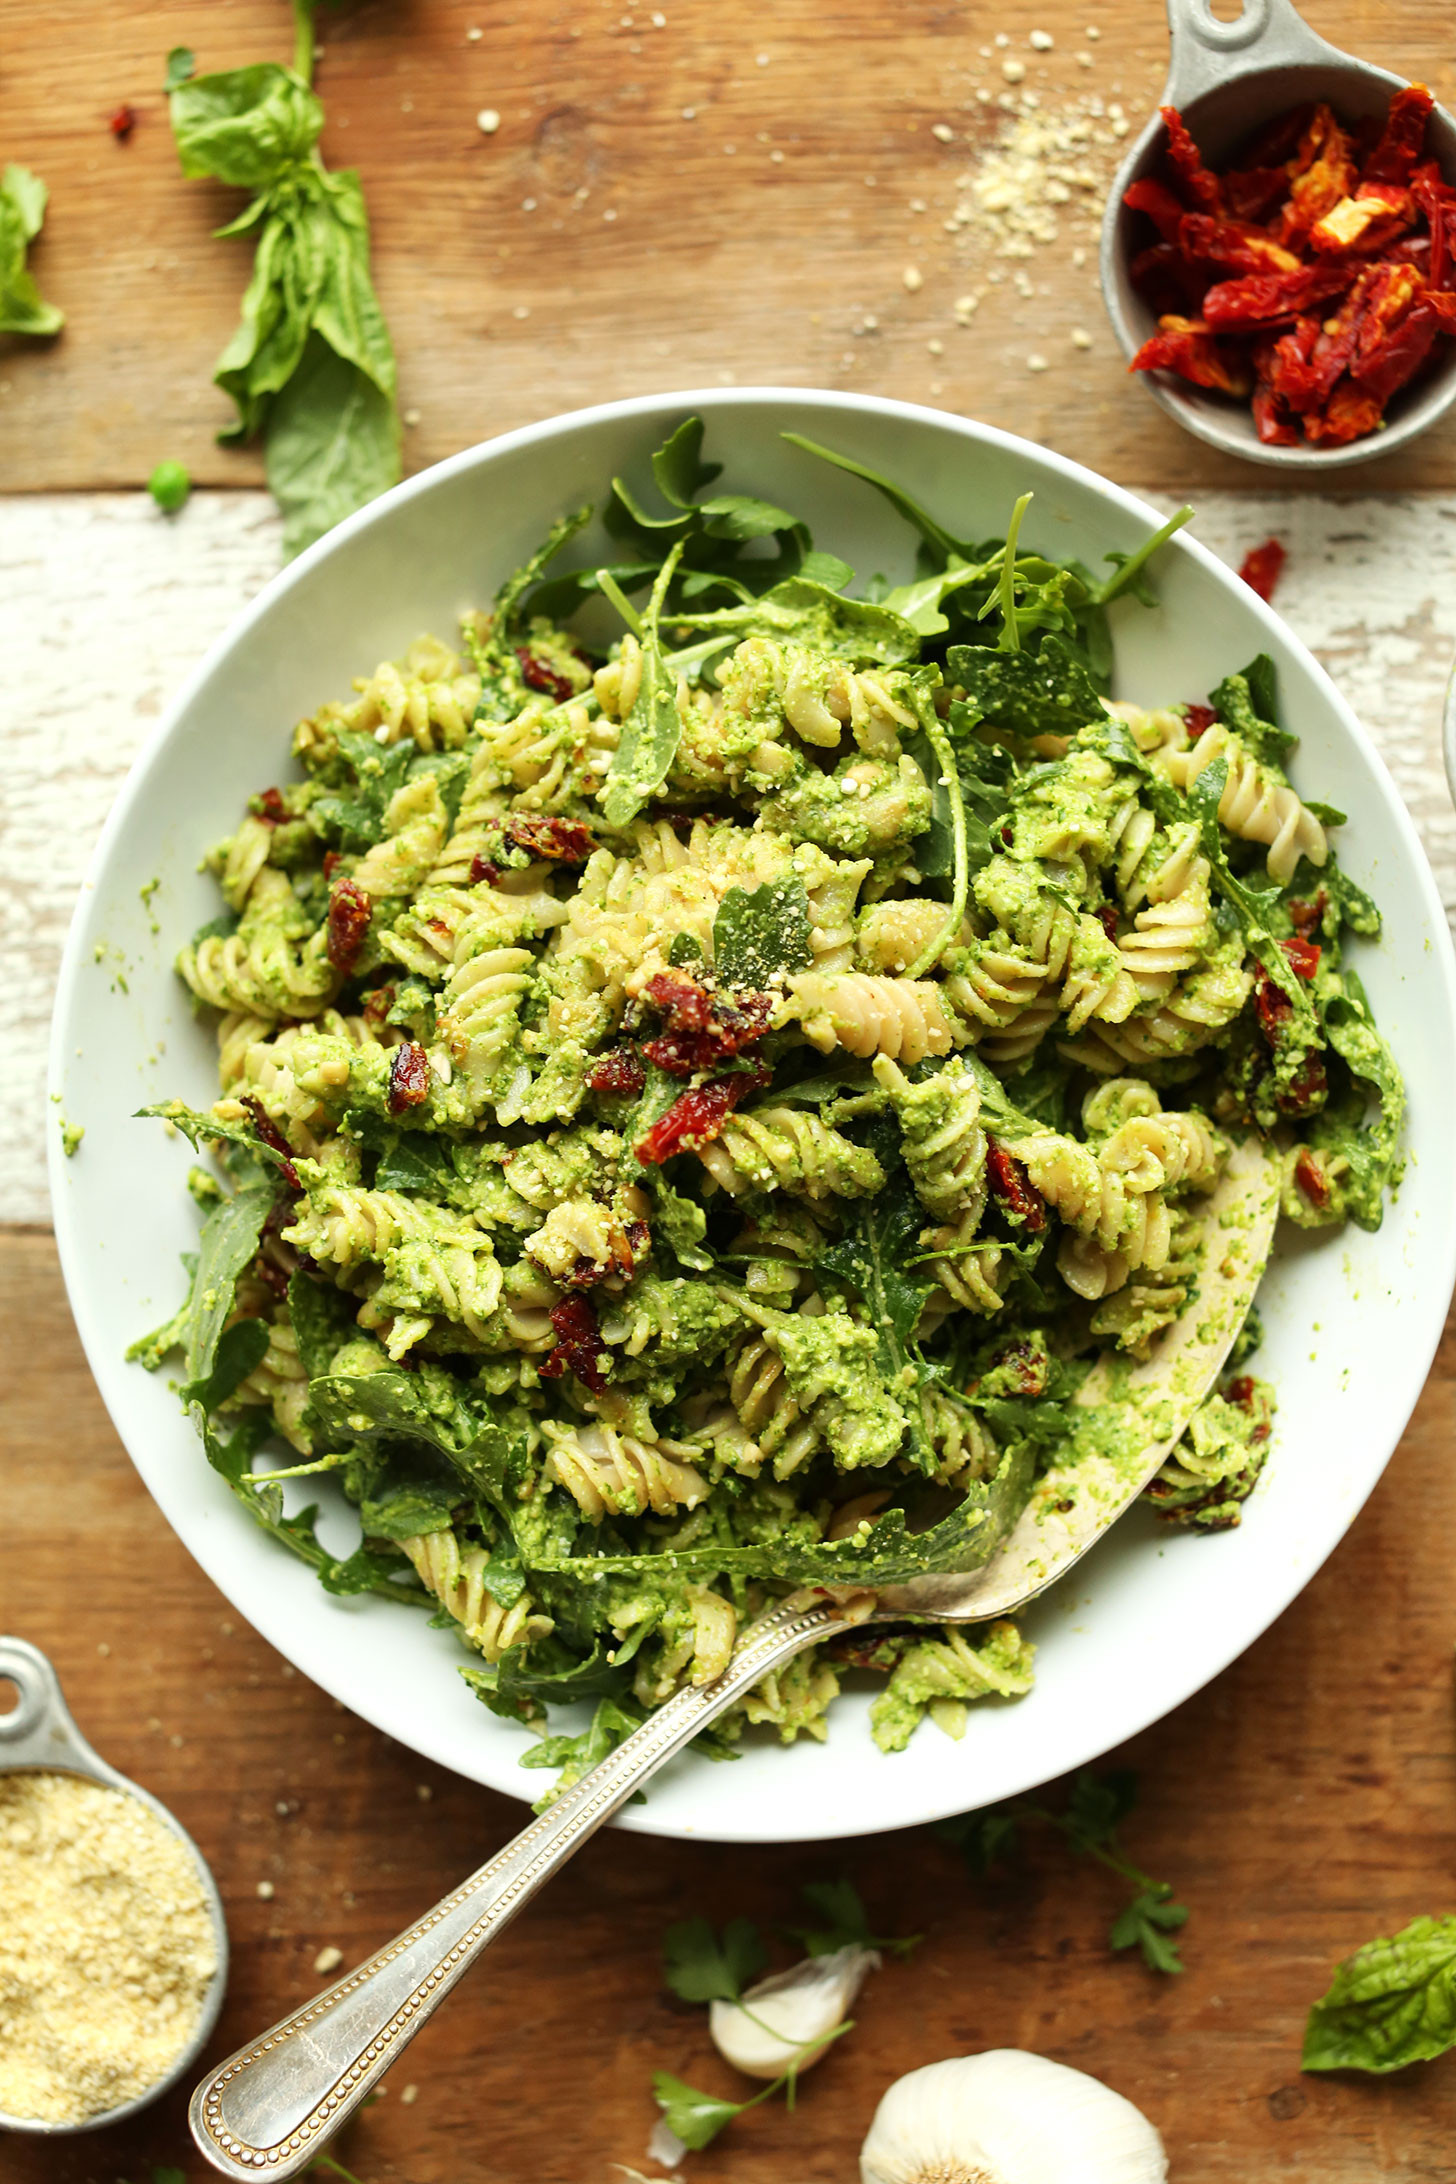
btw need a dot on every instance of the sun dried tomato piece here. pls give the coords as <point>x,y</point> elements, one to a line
<point>350,911</point>
<point>1011,1189</point>
<point>1312,1182</point>
<point>122,122</point>
<point>1240,1392</point>
<point>1403,138</point>
<point>539,674</point>
<point>1185,346</point>
<point>1306,916</point>
<point>1154,198</point>
<point>1286,366</point>
<point>1366,222</point>
<point>1273,1007</point>
<point>1399,356</point>
<point>620,1072</point>
<point>1106,916</point>
<point>332,862</point>
<point>579,1345</point>
<point>1348,415</point>
<point>409,1078</point>
<point>1261,567</point>
<point>1251,193</point>
<point>1196,718</point>
<point>1201,186</point>
<point>697,1117</point>
<point>701,1029</point>
<point>271,806</point>
<point>1304,956</point>
<point>376,1007</point>
<point>481,868</point>
<point>1436,200</point>
<point>273,1137</point>
<point>1266,299</point>
<point>1273,418</point>
<point>1306,1089</point>
<point>564,841</point>
<point>1234,243</point>
<point>1324,172</point>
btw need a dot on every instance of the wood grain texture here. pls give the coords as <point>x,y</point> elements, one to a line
<point>603,243</point>
<point>1304,1801</point>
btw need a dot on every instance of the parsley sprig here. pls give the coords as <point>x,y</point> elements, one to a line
<point>1095,1811</point>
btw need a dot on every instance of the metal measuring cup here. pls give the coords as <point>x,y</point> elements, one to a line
<point>38,1736</point>
<point>1227,80</point>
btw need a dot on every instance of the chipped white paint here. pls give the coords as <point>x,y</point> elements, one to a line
<point>105,606</point>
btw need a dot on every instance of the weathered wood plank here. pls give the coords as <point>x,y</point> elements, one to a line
<point>674,197</point>
<point>1303,1802</point>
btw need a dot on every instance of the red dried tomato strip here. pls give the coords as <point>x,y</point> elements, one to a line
<point>1273,419</point>
<point>1304,956</point>
<point>1364,223</point>
<point>1158,202</point>
<point>1250,193</point>
<point>579,1345</point>
<point>1186,346</point>
<point>565,841</point>
<point>1437,200</point>
<point>1324,173</point>
<point>1106,916</point>
<point>1012,1190</point>
<point>538,674</point>
<point>697,1118</point>
<point>1164,276</point>
<point>272,807</point>
<point>1347,416</point>
<point>1399,356</point>
<point>122,122</point>
<point>619,1072</point>
<point>1234,243</point>
<point>1264,299</point>
<point>481,868</point>
<point>1307,916</point>
<point>272,1136</point>
<point>1312,1181</point>
<point>1403,137</point>
<point>1306,1089</point>
<point>1261,567</point>
<point>1196,718</point>
<point>1202,187</point>
<point>702,1028</point>
<point>409,1078</point>
<point>350,911</point>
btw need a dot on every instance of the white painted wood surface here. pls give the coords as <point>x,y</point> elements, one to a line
<point>105,606</point>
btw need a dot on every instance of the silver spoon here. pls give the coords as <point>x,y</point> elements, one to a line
<point>1227,80</point>
<point>270,2106</point>
<point>39,1736</point>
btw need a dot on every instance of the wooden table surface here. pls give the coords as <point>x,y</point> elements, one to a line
<point>1304,1801</point>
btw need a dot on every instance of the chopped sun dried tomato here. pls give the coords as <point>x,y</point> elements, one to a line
<point>539,674</point>
<point>1106,916</point>
<point>1158,202</point>
<point>565,841</point>
<point>1306,1089</point>
<point>1011,1189</point>
<point>697,1118</point>
<point>1307,916</point>
<point>1186,346</point>
<point>1348,415</point>
<point>350,911</point>
<point>409,1078</point>
<point>332,861</point>
<point>1324,173</point>
<point>1261,567</point>
<point>1252,192</point>
<point>1238,244</point>
<point>1199,184</point>
<point>271,1135</point>
<point>272,806</point>
<point>579,1345</point>
<point>619,1072</point>
<point>1304,956</point>
<point>122,122</point>
<point>377,1004</point>
<point>481,868</point>
<point>701,1029</point>
<point>1196,718</point>
<point>1375,216</point>
<point>1240,1392</point>
<point>1264,299</point>
<point>1311,1179</point>
<point>1403,137</point>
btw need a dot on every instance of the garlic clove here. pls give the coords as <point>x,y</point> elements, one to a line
<point>664,2147</point>
<point>784,2020</point>
<point>1008,2117</point>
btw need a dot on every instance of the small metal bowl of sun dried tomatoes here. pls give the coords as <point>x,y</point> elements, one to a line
<point>1279,249</point>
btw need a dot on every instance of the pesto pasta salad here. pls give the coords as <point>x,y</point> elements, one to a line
<point>709,1061</point>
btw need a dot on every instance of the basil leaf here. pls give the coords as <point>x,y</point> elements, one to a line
<point>246,126</point>
<point>651,731</point>
<point>761,935</point>
<point>181,68</point>
<point>332,445</point>
<point>23,310</point>
<point>1391,2003</point>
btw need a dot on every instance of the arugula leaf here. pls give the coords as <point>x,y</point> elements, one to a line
<point>375,1408</point>
<point>680,1222</point>
<point>228,1246</point>
<point>508,611</point>
<point>200,1126</point>
<point>1253,719</point>
<point>934,534</point>
<point>846,1922</point>
<point>1128,569</point>
<point>701,1966</point>
<point>1046,692</point>
<point>410,1162</point>
<point>651,731</point>
<point>311,365</point>
<point>610,1725</point>
<point>802,610</point>
<point>23,310</point>
<point>241,1348</point>
<point>1393,2002</point>
<point>759,935</point>
<point>874,1261</point>
<point>695,2117</point>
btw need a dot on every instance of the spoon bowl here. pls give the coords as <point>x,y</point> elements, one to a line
<point>38,1736</point>
<point>1228,80</point>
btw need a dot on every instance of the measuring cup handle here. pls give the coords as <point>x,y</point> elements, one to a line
<point>1206,52</point>
<point>38,1731</point>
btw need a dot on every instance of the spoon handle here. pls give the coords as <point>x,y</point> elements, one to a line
<point>271,2106</point>
<point>1207,52</point>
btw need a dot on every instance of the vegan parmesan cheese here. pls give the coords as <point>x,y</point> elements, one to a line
<point>107,1947</point>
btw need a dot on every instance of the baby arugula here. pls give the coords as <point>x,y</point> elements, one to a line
<point>1095,1811</point>
<point>311,366</point>
<point>23,310</point>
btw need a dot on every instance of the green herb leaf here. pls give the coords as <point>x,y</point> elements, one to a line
<point>23,310</point>
<point>1128,569</point>
<point>702,1966</point>
<point>332,444</point>
<point>181,68</point>
<point>651,730</point>
<point>696,2117</point>
<point>1146,1925</point>
<point>229,1245</point>
<point>1099,1804</point>
<point>761,935</point>
<point>241,1348</point>
<point>1046,692</point>
<point>934,534</point>
<point>985,1839</point>
<point>1253,720</point>
<point>1393,2002</point>
<point>846,1923</point>
<point>246,126</point>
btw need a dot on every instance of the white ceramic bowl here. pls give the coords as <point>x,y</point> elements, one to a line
<point>1352,1319</point>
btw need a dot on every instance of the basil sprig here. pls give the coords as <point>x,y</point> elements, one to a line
<point>311,366</point>
<point>23,310</point>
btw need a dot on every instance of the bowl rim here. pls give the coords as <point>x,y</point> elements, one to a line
<point>1139,1714</point>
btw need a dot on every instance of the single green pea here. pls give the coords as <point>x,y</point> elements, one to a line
<point>169,486</point>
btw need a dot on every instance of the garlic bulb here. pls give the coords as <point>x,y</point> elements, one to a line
<point>778,2022</point>
<point>1007,2117</point>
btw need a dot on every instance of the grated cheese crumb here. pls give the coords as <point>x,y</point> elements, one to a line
<point>1013,71</point>
<point>913,278</point>
<point>1042,40</point>
<point>943,132</point>
<point>487,121</point>
<point>1081,339</point>
<point>328,1960</point>
<point>1035,363</point>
